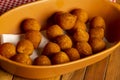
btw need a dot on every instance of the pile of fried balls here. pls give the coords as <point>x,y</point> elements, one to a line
<point>72,36</point>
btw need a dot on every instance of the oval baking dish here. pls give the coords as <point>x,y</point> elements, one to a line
<point>41,10</point>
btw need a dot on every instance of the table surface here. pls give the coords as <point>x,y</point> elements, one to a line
<point>107,69</point>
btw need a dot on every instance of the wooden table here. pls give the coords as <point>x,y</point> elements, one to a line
<point>107,69</point>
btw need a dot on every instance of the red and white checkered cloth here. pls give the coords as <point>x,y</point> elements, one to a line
<point>6,5</point>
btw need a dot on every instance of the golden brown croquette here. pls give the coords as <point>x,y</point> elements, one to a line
<point>25,47</point>
<point>54,31</point>
<point>30,24</point>
<point>72,53</point>
<point>42,60</point>
<point>81,35</point>
<point>84,48</point>
<point>96,33</point>
<point>7,50</point>
<point>34,36</point>
<point>64,41</point>
<point>66,20</point>
<point>22,58</point>
<point>51,48</point>
<point>97,44</point>
<point>59,58</point>
<point>97,22</point>
<point>81,14</point>
<point>79,25</point>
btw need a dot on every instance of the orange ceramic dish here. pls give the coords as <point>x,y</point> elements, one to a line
<point>41,10</point>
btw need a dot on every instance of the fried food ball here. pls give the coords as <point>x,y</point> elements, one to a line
<point>96,33</point>
<point>22,58</point>
<point>84,48</point>
<point>97,44</point>
<point>30,24</point>
<point>42,60</point>
<point>25,47</point>
<point>64,41</point>
<point>53,19</point>
<point>59,58</point>
<point>34,36</point>
<point>51,48</point>
<point>79,25</point>
<point>97,22</point>
<point>66,20</point>
<point>54,31</point>
<point>81,35</point>
<point>56,15</point>
<point>81,14</point>
<point>7,50</point>
<point>72,53</point>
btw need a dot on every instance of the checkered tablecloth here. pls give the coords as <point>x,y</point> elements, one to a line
<point>6,5</point>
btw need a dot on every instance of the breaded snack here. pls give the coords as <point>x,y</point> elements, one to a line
<point>97,44</point>
<point>7,50</point>
<point>97,22</point>
<point>51,48</point>
<point>59,58</point>
<point>54,31</point>
<point>96,33</point>
<point>84,48</point>
<point>25,47</point>
<point>79,25</point>
<point>34,36</point>
<point>30,24</point>
<point>81,35</point>
<point>52,20</point>
<point>81,14</point>
<point>66,20</point>
<point>42,60</point>
<point>72,53</point>
<point>64,41</point>
<point>22,58</point>
<point>56,15</point>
